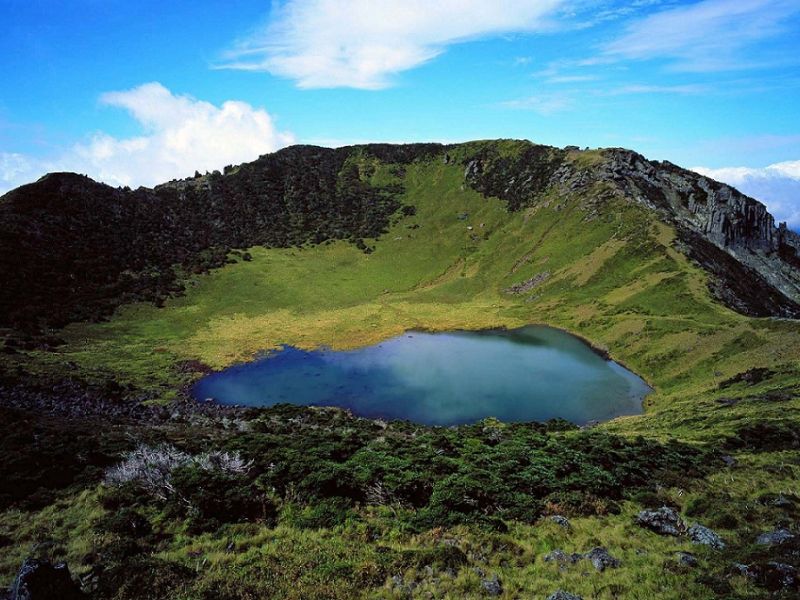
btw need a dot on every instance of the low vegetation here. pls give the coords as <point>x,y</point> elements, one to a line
<point>313,503</point>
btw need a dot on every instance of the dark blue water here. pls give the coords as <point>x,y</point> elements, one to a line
<point>528,374</point>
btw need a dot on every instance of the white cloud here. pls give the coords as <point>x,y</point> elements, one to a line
<point>363,43</point>
<point>180,135</point>
<point>705,36</point>
<point>14,169</point>
<point>681,90</point>
<point>544,104</point>
<point>777,186</point>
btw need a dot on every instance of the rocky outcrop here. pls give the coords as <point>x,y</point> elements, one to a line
<point>754,264</point>
<point>715,213</point>
<point>529,284</point>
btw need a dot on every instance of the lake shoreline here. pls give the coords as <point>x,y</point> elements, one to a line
<point>546,374</point>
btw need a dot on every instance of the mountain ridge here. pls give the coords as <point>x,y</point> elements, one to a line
<point>76,249</point>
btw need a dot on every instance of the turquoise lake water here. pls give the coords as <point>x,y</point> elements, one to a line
<point>533,373</point>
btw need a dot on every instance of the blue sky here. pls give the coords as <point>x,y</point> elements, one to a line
<point>138,92</point>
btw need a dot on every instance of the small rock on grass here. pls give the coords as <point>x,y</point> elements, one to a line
<point>562,595</point>
<point>601,559</point>
<point>560,520</point>
<point>664,521</point>
<point>492,585</point>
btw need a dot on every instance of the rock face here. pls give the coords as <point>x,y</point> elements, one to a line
<point>755,266</point>
<point>42,580</point>
<point>714,212</point>
<point>664,521</point>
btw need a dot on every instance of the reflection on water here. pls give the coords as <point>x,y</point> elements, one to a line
<point>529,374</point>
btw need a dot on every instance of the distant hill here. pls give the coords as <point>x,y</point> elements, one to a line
<point>74,249</point>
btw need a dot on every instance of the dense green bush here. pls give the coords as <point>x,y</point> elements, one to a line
<point>477,473</point>
<point>210,498</point>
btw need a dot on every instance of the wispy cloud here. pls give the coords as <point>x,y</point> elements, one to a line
<point>543,104</point>
<point>681,90</point>
<point>364,43</point>
<point>777,185</point>
<point>180,134</point>
<point>571,78</point>
<point>711,35</point>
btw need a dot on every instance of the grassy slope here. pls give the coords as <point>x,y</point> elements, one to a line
<point>614,279</point>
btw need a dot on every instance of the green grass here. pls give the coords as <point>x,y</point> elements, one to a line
<point>614,279</point>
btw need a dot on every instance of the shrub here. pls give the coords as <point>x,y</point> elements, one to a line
<point>152,468</point>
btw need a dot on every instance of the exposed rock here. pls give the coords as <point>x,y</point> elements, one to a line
<point>562,558</point>
<point>562,595</point>
<point>492,585</point>
<point>561,520</point>
<point>781,501</point>
<point>42,580</point>
<point>776,575</point>
<point>664,521</point>
<point>709,214</point>
<point>529,284</point>
<point>775,538</point>
<point>700,534</point>
<point>601,559</point>
<point>749,377</point>
<point>729,461</point>
<point>687,559</point>
<point>773,575</point>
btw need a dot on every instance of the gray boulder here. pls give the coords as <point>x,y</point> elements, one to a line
<point>492,585</point>
<point>601,559</point>
<point>686,559</point>
<point>563,521</point>
<point>664,521</point>
<point>562,595</point>
<point>703,535</point>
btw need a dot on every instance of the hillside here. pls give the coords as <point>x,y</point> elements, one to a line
<point>114,300</point>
